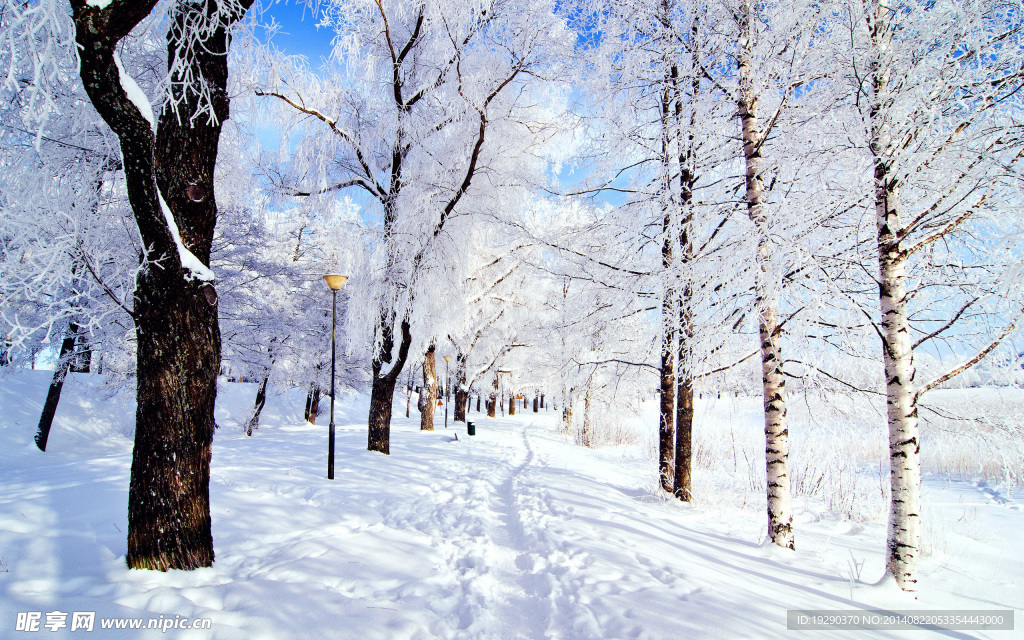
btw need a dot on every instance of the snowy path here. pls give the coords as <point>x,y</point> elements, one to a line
<point>512,534</point>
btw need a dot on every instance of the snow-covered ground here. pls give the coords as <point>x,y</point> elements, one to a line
<point>514,533</point>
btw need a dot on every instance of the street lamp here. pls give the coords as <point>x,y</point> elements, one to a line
<point>447,390</point>
<point>335,282</point>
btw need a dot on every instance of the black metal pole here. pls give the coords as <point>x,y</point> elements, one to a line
<point>330,437</point>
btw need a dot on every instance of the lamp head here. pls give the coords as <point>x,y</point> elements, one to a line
<point>335,281</point>
<point>447,358</point>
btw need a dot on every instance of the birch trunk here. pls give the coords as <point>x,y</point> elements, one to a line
<point>587,432</point>
<point>904,533</point>
<point>776,431</point>
<point>261,399</point>
<point>666,423</point>
<point>493,400</point>
<point>428,397</point>
<point>683,482</point>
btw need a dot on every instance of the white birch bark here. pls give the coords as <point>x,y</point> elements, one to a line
<point>776,430</point>
<point>428,397</point>
<point>666,426</point>
<point>904,533</point>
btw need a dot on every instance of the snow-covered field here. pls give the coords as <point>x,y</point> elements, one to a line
<point>514,533</point>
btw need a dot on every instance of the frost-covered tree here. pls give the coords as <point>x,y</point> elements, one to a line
<point>69,258</point>
<point>420,100</point>
<point>168,158</point>
<point>937,87</point>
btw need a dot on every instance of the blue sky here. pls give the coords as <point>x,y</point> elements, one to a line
<point>299,34</point>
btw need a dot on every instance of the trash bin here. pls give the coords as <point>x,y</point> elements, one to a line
<point>471,427</point>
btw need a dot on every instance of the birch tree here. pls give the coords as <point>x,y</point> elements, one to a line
<point>936,86</point>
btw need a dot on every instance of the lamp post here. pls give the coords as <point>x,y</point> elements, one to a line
<point>447,390</point>
<point>334,281</point>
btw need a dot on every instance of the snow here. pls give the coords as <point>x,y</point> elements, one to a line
<point>514,533</point>
<point>135,93</point>
<point>99,4</point>
<point>189,261</point>
<point>132,88</point>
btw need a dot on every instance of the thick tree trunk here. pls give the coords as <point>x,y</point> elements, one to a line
<point>169,177</point>
<point>382,392</point>
<point>535,401</point>
<point>904,527</point>
<point>776,431</point>
<point>169,493</point>
<point>261,399</point>
<point>60,372</point>
<point>478,403</point>
<point>512,404</point>
<point>429,394</point>
<point>542,405</point>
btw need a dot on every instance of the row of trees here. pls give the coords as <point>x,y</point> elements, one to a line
<point>602,197</point>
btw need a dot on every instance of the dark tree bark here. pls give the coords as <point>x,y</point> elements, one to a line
<point>478,403</point>
<point>428,399</point>
<point>535,401</point>
<point>261,399</point>
<point>178,350</point>
<point>312,403</point>
<point>408,395</point>
<point>382,392</point>
<point>56,386</point>
<point>542,406</point>
<point>667,411</point>
<point>512,405</point>
<point>461,392</point>
<point>683,481</point>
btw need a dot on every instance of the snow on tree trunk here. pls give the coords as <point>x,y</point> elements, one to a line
<point>261,399</point>
<point>429,393</point>
<point>667,412</point>
<point>780,517</point>
<point>169,176</point>
<point>904,533</point>
<point>461,391</point>
<point>683,482</point>
<point>385,378</point>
